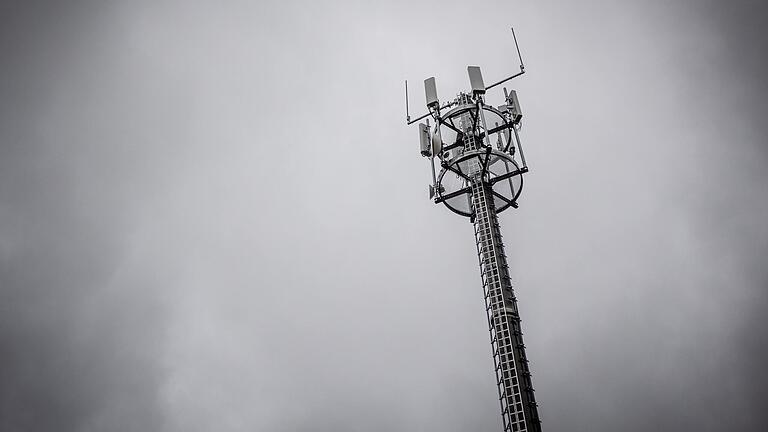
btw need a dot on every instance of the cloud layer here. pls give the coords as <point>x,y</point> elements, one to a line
<point>213,218</point>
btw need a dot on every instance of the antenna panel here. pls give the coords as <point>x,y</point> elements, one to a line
<point>476,80</point>
<point>430,90</point>
<point>517,113</point>
<point>437,143</point>
<point>424,141</point>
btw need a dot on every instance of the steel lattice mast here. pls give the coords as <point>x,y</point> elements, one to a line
<point>479,177</point>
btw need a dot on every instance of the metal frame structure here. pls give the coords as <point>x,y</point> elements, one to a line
<point>479,177</point>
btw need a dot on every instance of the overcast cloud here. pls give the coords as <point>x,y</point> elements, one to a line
<point>213,217</point>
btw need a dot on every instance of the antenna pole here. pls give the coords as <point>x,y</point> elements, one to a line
<point>420,118</point>
<point>432,155</point>
<point>504,80</point>
<point>522,67</point>
<point>520,147</point>
<point>407,114</point>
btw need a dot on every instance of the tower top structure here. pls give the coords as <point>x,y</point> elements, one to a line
<point>480,174</point>
<point>469,133</point>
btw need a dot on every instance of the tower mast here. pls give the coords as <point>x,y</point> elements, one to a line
<point>481,171</point>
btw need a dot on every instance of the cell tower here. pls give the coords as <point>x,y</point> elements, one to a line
<point>481,167</point>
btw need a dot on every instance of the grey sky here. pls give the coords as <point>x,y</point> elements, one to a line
<point>212,216</point>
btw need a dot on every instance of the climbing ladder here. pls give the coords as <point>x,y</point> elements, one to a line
<point>518,406</point>
<point>519,411</point>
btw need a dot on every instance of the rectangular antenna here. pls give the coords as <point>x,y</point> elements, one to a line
<point>430,90</point>
<point>514,105</point>
<point>476,80</point>
<point>424,145</point>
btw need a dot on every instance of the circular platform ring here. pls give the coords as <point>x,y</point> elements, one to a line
<point>495,120</point>
<point>497,168</point>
